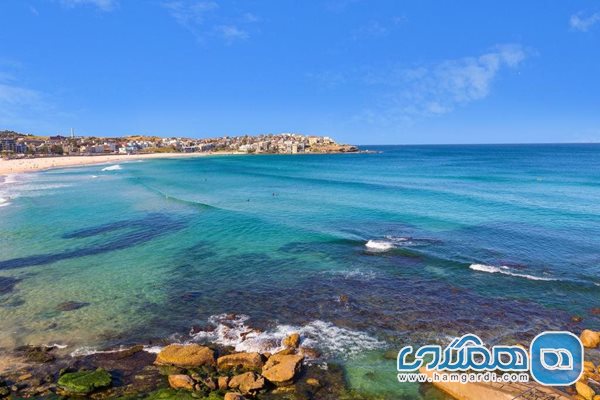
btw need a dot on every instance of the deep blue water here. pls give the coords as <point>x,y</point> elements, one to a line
<point>359,252</point>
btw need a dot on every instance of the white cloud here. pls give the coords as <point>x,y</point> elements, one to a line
<point>104,5</point>
<point>583,23</point>
<point>231,33</point>
<point>17,103</point>
<point>190,14</point>
<point>203,18</point>
<point>439,88</point>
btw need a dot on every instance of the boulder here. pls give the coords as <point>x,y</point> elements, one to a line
<point>280,369</point>
<point>189,355</point>
<point>84,382</point>
<point>181,382</point>
<point>233,396</point>
<point>589,339</point>
<point>584,390</point>
<point>291,341</point>
<point>223,382</point>
<point>247,383</point>
<point>244,361</point>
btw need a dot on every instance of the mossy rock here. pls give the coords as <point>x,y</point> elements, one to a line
<point>84,382</point>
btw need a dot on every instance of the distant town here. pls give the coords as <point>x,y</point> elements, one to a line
<point>19,145</point>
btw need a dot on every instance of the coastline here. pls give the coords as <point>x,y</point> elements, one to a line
<point>16,166</point>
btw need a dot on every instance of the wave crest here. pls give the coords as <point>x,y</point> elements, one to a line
<point>507,271</point>
<point>112,168</point>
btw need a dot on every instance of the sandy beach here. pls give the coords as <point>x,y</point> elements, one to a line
<point>43,163</point>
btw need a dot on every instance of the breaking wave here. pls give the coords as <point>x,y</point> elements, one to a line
<point>112,168</point>
<point>507,271</point>
<point>379,245</point>
<point>331,340</point>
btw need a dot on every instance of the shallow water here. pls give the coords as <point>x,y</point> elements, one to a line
<point>496,240</point>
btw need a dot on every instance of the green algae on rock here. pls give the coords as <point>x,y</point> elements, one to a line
<point>83,382</point>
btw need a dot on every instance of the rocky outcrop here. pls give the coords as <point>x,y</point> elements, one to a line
<point>240,361</point>
<point>84,382</point>
<point>280,369</point>
<point>181,381</point>
<point>247,383</point>
<point>189,355</point>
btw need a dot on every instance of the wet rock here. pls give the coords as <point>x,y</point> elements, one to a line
<point>310,353</point>
<point>280,369</point>
<point>292,341</point>
<point>190,355</point>
<point>37,354</point>
<point>181,382</point>
<point>233,396</point>
<point>589,339</point>
<point>129,352</point>
<point>344,299</point>
<point>247,383</point>
<point>243,361</point>
<point>71,305</point>
<point>84,382</point>
<point>313,382</point>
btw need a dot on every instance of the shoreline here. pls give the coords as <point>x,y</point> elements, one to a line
<point>26,165</point>
<point>17,166</point>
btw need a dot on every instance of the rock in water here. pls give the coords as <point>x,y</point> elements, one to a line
<point>181,382</point>
<point>247,383</point>
<point>280,369</point>
<point>71,305</point>
<point>590,339</point>
<point>189,355</point>
<point>292,341</point>
<point>84,382</point>
<point>245,361</point>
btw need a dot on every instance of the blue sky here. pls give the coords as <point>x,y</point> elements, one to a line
<point>364,72</point>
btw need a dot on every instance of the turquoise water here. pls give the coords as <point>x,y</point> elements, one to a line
<point>359,252</point>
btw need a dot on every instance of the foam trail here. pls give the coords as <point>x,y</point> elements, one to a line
<point>507,271</point>
<point>112,168</point>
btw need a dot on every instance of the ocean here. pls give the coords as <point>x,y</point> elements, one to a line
<point>360,253</point>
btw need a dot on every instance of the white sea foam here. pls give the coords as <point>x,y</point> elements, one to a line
<point>507,271</point>
<point>328,338</point>
<point>10,178</point>
<point>112,168</point>
<point>94,176</point>
<point>4,202</point>
<point>379,245</point>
